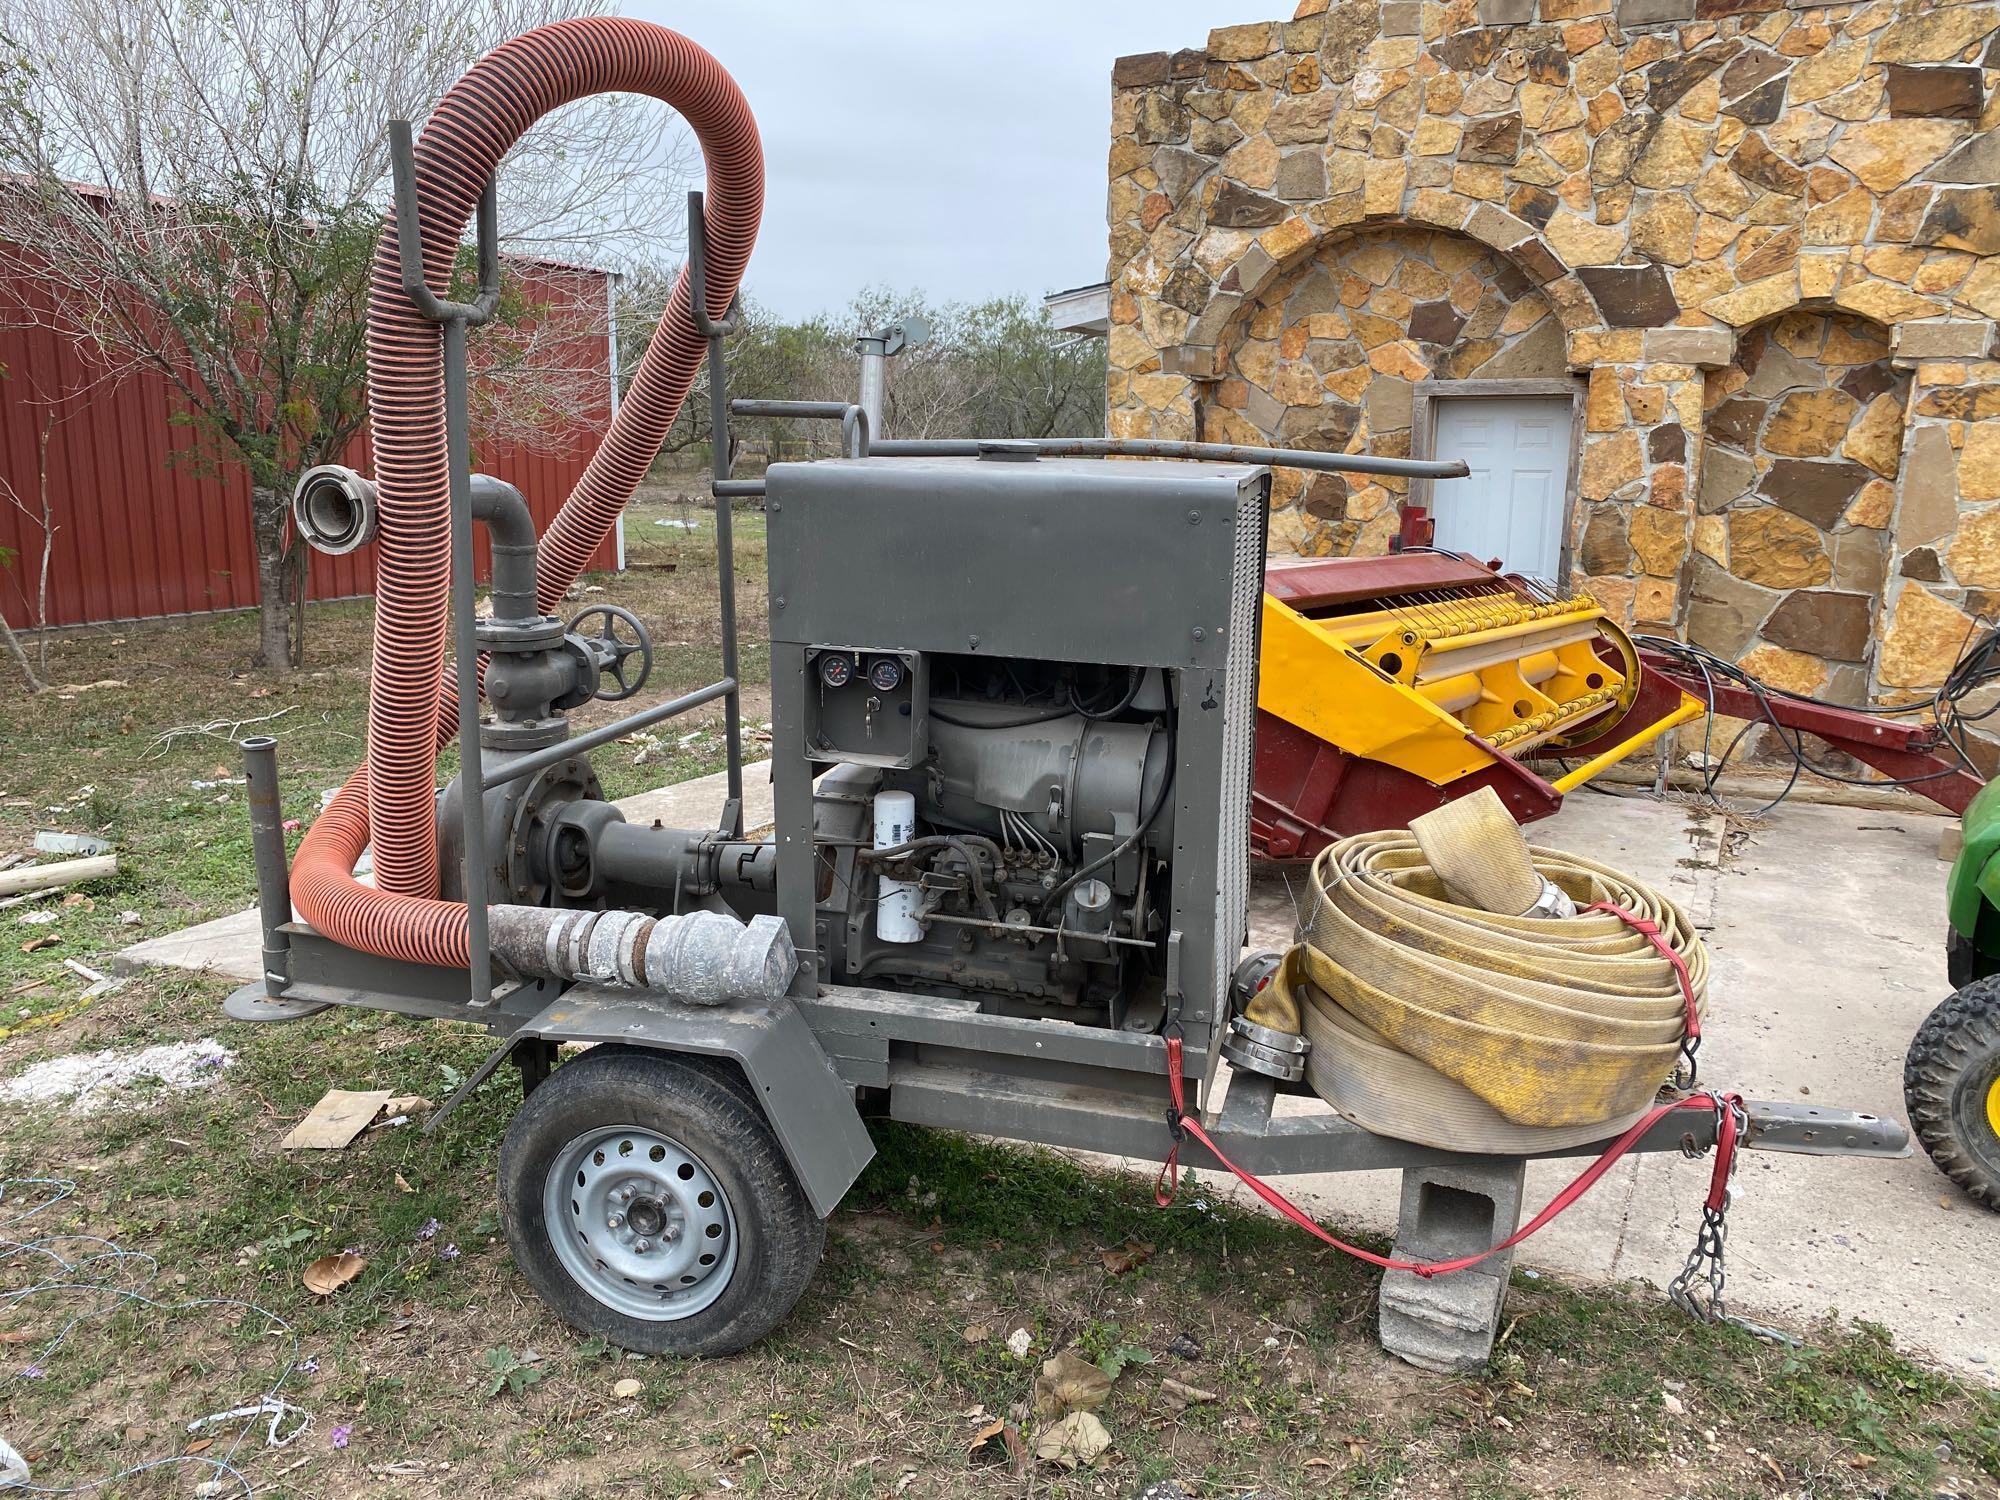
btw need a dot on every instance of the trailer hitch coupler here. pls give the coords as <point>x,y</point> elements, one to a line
<point>267,847</point>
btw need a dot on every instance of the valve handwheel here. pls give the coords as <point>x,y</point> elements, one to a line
<point>615,650</point>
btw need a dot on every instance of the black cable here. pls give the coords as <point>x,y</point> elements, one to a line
<point>1975,667</point>
<point>1131,695</point>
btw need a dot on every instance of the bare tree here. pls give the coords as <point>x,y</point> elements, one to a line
<point>38,605</point>
<point>195,191</point>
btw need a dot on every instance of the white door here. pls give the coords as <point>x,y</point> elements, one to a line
<point>1512,506</point>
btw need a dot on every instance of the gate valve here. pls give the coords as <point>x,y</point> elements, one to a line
<point>609,650</point>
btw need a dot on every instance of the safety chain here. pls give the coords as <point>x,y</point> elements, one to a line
<point>1699,1289</point>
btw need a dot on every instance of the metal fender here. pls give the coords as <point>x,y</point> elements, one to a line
<point>808,1106</point>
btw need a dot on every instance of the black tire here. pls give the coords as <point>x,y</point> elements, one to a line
<point>708,1109</point>
<point>1950,1079</point>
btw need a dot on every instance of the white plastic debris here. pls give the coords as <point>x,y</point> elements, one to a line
<point>674,525</point>
<point>13,1467</point>
<point>91,1081</point>
<point>70,843</point>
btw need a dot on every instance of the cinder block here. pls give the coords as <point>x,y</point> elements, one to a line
<point>1448,1323</point>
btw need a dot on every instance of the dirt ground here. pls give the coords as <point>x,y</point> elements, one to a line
<point>153,1252</point>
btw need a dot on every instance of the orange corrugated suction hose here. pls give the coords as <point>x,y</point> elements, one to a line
<point>409,716</point>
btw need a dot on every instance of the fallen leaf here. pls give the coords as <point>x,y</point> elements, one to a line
<point>1126,1257</point>
<point>1069,1382</point>
<point>627,1388</point>
<point>1180,1395</point>
<point>35,945</point>
<point>403,1184</point>
<point>330,1273</point>
<point>15,1336</point>
<point>199,1445</point>
<point>1009,1449</point>
<point>740,1452</point>
<point>1861,1460</point>
<point>406,1104</point>
<point>975,1333</point>
<point>1077,1439</point>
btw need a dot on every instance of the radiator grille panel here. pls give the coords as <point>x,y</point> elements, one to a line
<point>1239,723</point>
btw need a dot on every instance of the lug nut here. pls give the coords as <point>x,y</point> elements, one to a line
<point>671,1233</point>
<point>642,1245</point>
<point>614,1220</point>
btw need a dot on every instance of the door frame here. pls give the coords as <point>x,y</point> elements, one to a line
<point>1423,438</point>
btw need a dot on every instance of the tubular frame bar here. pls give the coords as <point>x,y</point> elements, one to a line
<point>604,734</point>
<point>455,318</point>
<point>725,527</point>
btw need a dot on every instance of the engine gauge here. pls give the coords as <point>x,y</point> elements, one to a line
<point>836,669</point>
<point>885,674</point>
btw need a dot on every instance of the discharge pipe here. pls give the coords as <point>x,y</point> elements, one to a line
<point>412,711</point>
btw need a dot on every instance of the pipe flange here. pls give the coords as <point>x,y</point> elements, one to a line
<point>1259,1049</point>
<point>523,734</point>
<point>541,634</point>
<point>518,818</point>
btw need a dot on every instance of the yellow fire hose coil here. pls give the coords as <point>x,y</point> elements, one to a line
<point>1434,1019</point>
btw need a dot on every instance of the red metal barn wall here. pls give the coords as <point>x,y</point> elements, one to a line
<point>144,532</point>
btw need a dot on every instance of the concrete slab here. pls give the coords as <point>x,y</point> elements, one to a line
<point>229,946</point>
<point>1826,927</point>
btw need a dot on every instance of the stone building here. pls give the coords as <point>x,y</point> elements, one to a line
<point>1704,290</point>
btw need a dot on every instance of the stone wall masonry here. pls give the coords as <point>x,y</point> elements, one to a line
<point>1661,197</point>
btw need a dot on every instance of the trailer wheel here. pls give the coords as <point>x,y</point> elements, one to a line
<point>1951,1083</point>
<point>646,1200</point>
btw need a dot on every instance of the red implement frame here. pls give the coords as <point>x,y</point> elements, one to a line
<point>1307,793</point>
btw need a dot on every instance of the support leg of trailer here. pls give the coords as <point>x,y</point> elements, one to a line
<point>1448,1323</point>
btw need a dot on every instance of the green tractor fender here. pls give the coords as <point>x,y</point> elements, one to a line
<point>1951,1076</point>
<point>1972,892</point>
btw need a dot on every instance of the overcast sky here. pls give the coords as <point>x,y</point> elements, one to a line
<point>934,143</point>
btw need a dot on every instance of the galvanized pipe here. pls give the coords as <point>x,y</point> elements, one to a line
<point>267,849</point>
<point>700,958</point>
<point>1226,453</point>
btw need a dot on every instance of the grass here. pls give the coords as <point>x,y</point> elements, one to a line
<point>441,1372</point>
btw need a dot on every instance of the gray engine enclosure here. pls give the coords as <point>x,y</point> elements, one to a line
<point>1145,564</point>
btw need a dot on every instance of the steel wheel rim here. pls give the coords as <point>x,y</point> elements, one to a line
<point>640,1223</point>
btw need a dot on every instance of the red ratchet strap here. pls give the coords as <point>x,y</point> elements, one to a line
<point>1648,929</point>
<point>1182,1124</point>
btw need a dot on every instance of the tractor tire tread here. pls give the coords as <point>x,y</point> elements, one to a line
<point>1961,1031</point>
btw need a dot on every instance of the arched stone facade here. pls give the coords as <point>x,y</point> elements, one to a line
<point>1689,188</point>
